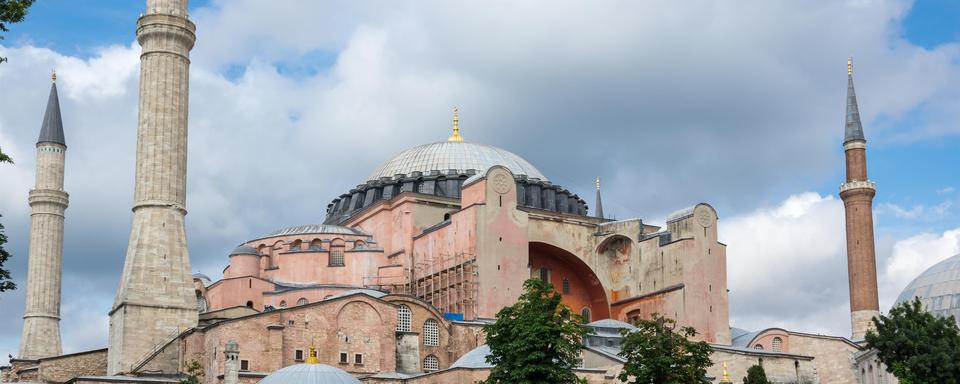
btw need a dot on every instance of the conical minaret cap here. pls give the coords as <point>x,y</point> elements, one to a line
<point>52,129</point>
<point>854,129</point>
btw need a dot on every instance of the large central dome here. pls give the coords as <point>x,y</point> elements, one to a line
<point>458,155</point>
<point>938,288</point>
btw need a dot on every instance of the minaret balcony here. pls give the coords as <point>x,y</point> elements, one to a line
<point>857,184</point>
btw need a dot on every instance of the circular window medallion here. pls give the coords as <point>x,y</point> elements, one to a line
<point>501,182</point>
<point>704,216</point>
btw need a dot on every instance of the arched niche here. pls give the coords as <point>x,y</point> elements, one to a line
<point>557,264</point>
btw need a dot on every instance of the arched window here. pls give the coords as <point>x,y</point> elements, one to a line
<point>249,304</point>
<point>336,253</point>
<point>202,304</point>
<point>403,318</point>
<point>585,314</point>
<point>431,363</point>
<point>777,343</point>
<point>431,333</point>
<point>566,286</point>
<point>758,347</point>
<point>283,303</point>
<point>302,301</point>
<point>296,245</point>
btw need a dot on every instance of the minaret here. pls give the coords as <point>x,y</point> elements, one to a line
<point>155,300</point>
<point>857,195</point>
<point>599,203</point>
<point>48,201</point>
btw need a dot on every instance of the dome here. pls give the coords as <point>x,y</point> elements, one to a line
<point>938,288</point>
<point>476,358</point>
<point>310,374</point>
<point>458,155</point>
<point>244,250</point>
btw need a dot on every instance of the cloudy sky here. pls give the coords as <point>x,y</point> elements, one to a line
<point>739,104</point>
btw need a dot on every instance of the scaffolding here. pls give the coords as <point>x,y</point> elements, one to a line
<point>448,282</point>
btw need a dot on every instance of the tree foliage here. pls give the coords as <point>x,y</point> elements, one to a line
<point>756,375</point>
<point>194,373</point>
<point>6,283</point>
<point>536,340</point>
<point>657,354</point>
<point>917,346</point>
<point>12,11</point>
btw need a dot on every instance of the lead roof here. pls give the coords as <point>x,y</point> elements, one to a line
<point>52,129</point>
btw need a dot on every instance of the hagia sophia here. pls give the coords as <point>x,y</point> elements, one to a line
<point>395,283</point>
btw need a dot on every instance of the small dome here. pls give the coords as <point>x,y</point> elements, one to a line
<point>938,288</point>
<point>316,229</point>
<point>310,374</point>
<point>458,155</point>
<point>244,250</point>
<point>476,358</point>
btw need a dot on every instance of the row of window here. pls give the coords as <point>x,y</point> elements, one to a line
<point>431,329</point>
<point>776,345</point>
<point>283,303</point>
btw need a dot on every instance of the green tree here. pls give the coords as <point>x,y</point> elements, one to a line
<point>536,340</point>
<point>194,373</point>
<point>12,11</point>
<point>6,283</point>
<point>656,354</point>
<point>756,375</point>
<point>917,346</point>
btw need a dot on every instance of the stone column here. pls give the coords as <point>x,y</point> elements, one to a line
<point>155,300</point>
<point>231,366</point>
<point>48,201</point>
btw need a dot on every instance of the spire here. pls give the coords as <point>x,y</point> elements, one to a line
<point>312,357</point>
<point>456,127</point>
<point>52,129</point>
<point>854,129</point>
<point>599,203</point>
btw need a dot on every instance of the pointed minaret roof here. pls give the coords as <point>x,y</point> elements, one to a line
<point>854,129</point>
<point>599,203</point>
<point>52,129</point>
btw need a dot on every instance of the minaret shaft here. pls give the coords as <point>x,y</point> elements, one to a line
<point>155,300</point>
<point>857,194</point>
<point>48,201</point>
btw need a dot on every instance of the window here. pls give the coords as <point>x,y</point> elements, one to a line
<point>777,342</point>
<point>431,363</point>
<point>336,257</point>
<point>544,274</point>
<point>758,347</point>
<point>302,301</point>
<point>358,359</point>
<point>244,365</point>
<point>403,318</point>
<point>343,358</point>
<point>566,286</point>
<point>585,313</point>
<point>298,355</point>
<point>431,333</point>
<point>283,303</point>
<point>249,304</point>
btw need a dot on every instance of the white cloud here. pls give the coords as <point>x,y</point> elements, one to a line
<point>915,254</point>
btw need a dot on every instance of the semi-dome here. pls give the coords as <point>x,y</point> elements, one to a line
<point>938,288</point>
<point>459,155</point>
<point>310,374</point>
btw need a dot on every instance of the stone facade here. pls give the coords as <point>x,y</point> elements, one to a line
<point>58,369</point>
<point>156,300</point>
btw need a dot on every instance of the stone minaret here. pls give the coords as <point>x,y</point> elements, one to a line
<point>48,201</point>
<point>231,364</point>
<point>599,208</point>
<point>857,195</point>
<point>156,299</point>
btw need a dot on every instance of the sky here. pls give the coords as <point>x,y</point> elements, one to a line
<point>738,104</point>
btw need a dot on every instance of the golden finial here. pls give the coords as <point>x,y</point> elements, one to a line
<point>726,377</point>
<point>598,183</point>
<point>312,358</point>
<point>53,75</point>
<point>849,66</point>
<point>456,126</point>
